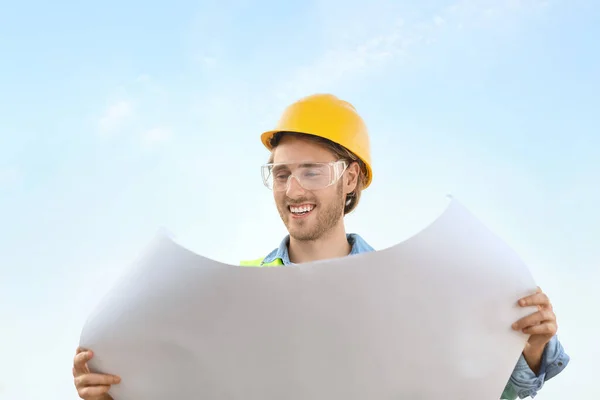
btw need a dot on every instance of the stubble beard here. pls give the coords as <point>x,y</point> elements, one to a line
<point>327,218</point>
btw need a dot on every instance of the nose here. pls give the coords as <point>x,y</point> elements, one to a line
<point>294,189</point>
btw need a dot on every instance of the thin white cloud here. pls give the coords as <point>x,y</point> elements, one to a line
<point>142,78</point>
<point>156,136</point>
<point>388,39</point>
<point>209,61</point>
<point>115,115</point>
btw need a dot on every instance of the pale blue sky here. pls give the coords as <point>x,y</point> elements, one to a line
<point>117,119</point>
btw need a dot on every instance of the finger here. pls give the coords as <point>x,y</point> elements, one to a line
<point>79,362</point>
<point>537,299</point>
<point>96,380</point>
<point>541,329</point>
<point>92,391</point>
<point>534,319</point>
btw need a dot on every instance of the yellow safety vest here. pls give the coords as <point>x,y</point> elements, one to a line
<point>259,263</point>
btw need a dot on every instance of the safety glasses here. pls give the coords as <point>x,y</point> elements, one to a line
<point>311,176</point>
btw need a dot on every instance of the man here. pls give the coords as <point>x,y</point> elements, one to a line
<point>320,163</point>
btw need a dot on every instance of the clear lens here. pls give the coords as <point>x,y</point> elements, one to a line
<point>311,176</point>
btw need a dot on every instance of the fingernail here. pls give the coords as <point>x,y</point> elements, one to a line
<point>117,379</point>
<point>522,302</point>
<point>514,326</point>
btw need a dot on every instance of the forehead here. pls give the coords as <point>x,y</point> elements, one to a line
<point>295,149</point>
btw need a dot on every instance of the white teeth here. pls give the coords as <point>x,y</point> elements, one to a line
<point>298,210</point>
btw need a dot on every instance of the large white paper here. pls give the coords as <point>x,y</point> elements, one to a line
<point>429,318</point>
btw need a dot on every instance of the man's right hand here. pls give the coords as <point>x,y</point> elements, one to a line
<point>91,386</point>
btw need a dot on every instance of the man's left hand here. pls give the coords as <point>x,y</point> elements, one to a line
<point>541,325</point>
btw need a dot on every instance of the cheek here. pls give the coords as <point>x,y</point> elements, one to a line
<point>327,198</point>
<point>279,198</point>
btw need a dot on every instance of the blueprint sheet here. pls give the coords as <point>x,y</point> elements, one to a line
<point>429,318</point>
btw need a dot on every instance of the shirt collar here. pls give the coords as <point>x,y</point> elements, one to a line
<point>359,245</point>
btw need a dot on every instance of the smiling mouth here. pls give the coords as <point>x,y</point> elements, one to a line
<point>302,209</point>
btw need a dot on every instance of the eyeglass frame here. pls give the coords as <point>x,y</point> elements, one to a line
<point>338,176</point>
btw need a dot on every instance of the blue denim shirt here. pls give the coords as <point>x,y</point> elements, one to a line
<point>523,381</point>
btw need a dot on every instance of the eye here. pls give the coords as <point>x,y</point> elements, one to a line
<point>281,175</point>
<point>312,173</point>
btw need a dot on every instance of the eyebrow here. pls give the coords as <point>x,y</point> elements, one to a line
<point>306,165</point>
<point>277,168</point>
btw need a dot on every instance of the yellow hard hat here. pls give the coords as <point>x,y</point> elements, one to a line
<point>327,116</point>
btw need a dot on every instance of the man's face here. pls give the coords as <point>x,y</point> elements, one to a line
<point>325,206</point>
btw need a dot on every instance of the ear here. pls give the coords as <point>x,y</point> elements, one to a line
<point>351,177</point>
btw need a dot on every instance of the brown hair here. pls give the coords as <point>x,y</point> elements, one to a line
<point>341,153</point>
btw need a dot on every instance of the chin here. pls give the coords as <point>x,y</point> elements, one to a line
<point>303,236</point>
<point>303,233</point>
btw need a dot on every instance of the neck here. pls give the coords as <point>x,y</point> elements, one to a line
<point>332,244</point>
